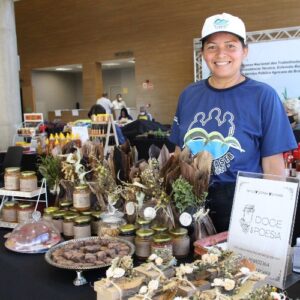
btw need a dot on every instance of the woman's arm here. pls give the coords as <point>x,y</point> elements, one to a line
<point>273,164</point>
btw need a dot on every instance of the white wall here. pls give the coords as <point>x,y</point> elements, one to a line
<point>56,90</point>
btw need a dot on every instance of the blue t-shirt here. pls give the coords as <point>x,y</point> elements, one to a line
<point>238,126</point>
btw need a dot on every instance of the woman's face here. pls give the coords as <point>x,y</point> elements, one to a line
<point>224,53</point>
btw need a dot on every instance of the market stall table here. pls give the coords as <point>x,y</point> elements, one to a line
<point>30,277</point>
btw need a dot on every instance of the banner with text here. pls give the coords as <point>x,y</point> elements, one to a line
<point>261,223</point>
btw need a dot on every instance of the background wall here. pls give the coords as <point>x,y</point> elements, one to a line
<point>122,78</point>
<point>56,90</point>
<point>159,34</point>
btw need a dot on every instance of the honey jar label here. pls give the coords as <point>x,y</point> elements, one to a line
<point>9,215</point>
<point>24,215</point>
<point>28,185</point>
<point>68,228</point>
<point>81,200</point>
<point>82,231</point>
<point>12,183</point>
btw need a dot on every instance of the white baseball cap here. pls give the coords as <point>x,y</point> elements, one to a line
<point>224,23</point>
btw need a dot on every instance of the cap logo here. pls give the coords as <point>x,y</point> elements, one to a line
<point>221,23</point>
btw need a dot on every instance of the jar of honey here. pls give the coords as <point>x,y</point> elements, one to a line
<point>162,245</point>
<point>24,212</point>
<point>127,232</point>
<point>57,220</point>
<point>9,212</point>
<point>28,181</point>
<point>81,198</point>
<point>12,179</point>
<point>65,204</point>
<point>48,212</point>
<point>82,227</point>
<point>143,242</point>
<point>68,225</point>
<point>96,217</point>
<point>181,242</point>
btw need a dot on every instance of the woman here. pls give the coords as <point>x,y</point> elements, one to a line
<point>124,115</point>
<point>240,121</point>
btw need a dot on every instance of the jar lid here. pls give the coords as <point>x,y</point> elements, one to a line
<point>50,209</point>
<point>59,214</point>
<point>12,169</point>
<point>180,231</point>
<point>161,238</point>
<point>27,173</point>
<point>86,213</point>
<point>81,187</point>
<point>65,203</point>
<point>96,214</point>
<point>144,232</point>
<point>82,220</point>
<point>70,216</point>
<point>159,228</point>
<point>143,221</point>
<point>127,228</point>
<point>9,204</point>
<point>72,208</point>
<point>25,205</point>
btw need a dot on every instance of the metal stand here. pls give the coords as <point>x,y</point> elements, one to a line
<point>79,280</point>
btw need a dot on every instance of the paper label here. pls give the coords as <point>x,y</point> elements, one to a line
<point>185,219</point>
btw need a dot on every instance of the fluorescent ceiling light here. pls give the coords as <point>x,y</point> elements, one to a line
<point>110,64</point>
<point>63,69</point>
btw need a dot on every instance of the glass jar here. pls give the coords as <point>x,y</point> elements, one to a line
<point>86,213</point>
<point>127,232</point>
<point>28,181</point>
<point>143,242</point>
<point>82,227</point>
<point>143,224</point>
<point>81,198</point>
<point>48,212</point>
<point>162,245</point>
<point>9,212</point>
<point>65,204</point>
<point>12,179</point>
<point>24,212</point>
<point>181,242</point>
<point>68,225</point>
<point>159,228</point>
<point>57,220</point>
<point>96,217</point>
<point>109,226</point>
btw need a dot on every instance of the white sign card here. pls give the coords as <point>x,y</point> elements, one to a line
<point>57,113</point>
<point>82,131</point>
<point>261,223</point>
<point>75,112</point>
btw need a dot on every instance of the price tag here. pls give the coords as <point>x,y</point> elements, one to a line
<point>149,213</point>
<point>185,219</point>
<point>130,208</point>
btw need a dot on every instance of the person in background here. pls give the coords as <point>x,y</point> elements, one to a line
<point>124,115</point>
<point>118,103</point>
<point>144,115</point>
<point>98,109</point>
<point>106,103</point>
<point>240,121</point>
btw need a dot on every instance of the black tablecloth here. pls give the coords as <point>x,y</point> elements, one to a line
<point>30,277</point>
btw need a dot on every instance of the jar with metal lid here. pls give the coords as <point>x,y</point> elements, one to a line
<point>159,228</point>
<point>28,181</point>
<point>73,209</point>
<point>143,242</point>
<point>127,232</point>
<point>9,211</point>
<point>48,212</point>
<point>68,225</point>
<point>81,198</point>
<point>86,213</point>
<point>82,227</point>
<point>143,224</point>
<point>12,179</point>
<point>109,226</point>
<point>162,245</point>
<point>96,217</point>
<point>24,212</point>
<point>65,204</point>
<point>57,219</point>
<point>181,242</point>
